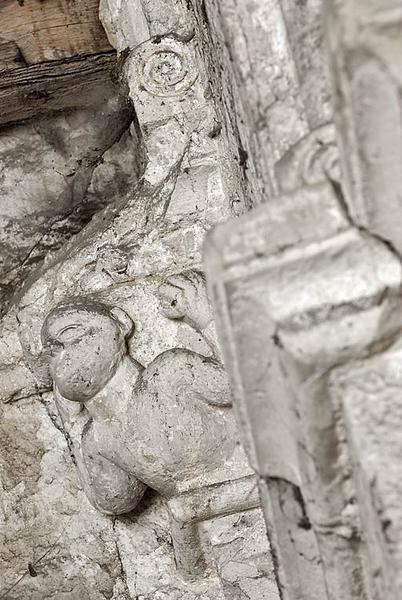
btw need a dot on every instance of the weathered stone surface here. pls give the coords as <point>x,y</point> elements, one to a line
<point>241,551</point>
<point>313,282</point>
<point>124,22</point>
<point>365,45</point>
<point>73,550</point>
<point>129,23</point>
<point>366,395</point>
<point>278,56</point>
<point>288,314</point>
<point>281,278</point>
<point>53,543</point>
<point>232,108</point>
<point>240,554</point>
<point>55,174</point>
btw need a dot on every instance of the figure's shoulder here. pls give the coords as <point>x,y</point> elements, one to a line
<point>175,356</point>
<point>174,364</point>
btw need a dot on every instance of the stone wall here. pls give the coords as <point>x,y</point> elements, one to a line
<point>130,469</point>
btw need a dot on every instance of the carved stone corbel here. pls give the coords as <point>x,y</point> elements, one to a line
<point>149,407</point>
<point>168,426</point>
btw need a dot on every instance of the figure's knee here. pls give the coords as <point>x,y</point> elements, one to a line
<point>110,489</point>
<point>113,497</point>
<point>114,505</point>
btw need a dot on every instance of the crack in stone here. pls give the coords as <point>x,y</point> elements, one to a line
<point>123,574</point>
<point>35,563</point>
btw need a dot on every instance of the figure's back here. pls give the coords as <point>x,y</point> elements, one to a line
<point>176,434</point>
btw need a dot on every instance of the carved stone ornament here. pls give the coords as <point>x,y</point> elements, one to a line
<point>166,69</point>
<point>169,426</point>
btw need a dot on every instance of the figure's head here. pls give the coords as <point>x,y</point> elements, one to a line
<point>85,341</point>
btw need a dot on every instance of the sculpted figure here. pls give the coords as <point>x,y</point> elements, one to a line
<point>130,426</point>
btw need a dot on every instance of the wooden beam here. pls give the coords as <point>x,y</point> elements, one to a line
<point>9,56</point>
<point>27,91</point>
<point>52,29</point>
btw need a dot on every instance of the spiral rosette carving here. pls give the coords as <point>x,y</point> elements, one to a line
<point>167,68</point>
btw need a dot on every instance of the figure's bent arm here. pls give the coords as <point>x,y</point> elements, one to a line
<point>211,383</point>
<point>184,297</point>
<point>201,377</point>
<point>210,336</point>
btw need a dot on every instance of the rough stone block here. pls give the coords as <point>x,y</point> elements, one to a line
<point>297,289</point>
<point>367,395</point>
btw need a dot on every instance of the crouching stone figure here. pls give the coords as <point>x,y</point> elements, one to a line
<point>131,427</point>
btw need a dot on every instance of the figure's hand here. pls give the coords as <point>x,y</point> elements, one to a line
<point>184,297</point>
